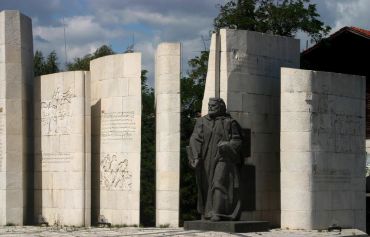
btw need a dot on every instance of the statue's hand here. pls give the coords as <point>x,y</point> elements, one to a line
<point>222,147</point>
<point>194,163</point>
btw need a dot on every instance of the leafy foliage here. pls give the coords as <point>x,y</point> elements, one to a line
<point>192,88</point>
<point>84,62</point>
<point>280,17</point>
<point>42,66</point>
<point>147,199</point>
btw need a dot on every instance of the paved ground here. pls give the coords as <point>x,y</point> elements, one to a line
<point>33,231</point>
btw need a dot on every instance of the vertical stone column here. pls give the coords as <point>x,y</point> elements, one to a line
<point>62,148</point>
<point>116,129</point>
<point>16,74</point>
<point>250,86</point>
<point>210,90</point>
<point>167,100</point>
<point>322,150</point>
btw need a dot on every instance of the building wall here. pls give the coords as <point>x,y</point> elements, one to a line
<point>116,138</point>
<point>62,148</point>
<point>322,150</point>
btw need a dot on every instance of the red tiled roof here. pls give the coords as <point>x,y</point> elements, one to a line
<point>355,30</point>
<point>360,31</point>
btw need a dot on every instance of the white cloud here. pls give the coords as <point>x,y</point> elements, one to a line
<point>341,13</point>
<point>83,35</point>
<point>352,13</point>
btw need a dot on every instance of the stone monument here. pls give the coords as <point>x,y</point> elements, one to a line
<point>244,70</point>
<point>215,152</point>
<point>116,138</point>
<point>167,104</point>
<point>16,75</point>
<point>62,148</point>
<point>322,150</point>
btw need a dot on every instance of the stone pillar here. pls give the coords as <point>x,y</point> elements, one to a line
<point>16,74</point>
<point>250,86</point>
<point>116,140</point>
<point>322,150</point>
<point>62,148</point>
<point>167,100</point>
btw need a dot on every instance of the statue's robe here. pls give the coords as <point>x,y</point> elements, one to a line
<point>217,172</point>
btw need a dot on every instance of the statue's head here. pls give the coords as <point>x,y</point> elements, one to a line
<point>216,107</point>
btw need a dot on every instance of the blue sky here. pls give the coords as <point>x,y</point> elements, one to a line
<point>92,23</point>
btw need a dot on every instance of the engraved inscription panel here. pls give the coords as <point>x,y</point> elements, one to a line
<point>114,173</point>
<point>56,113</point>
<point>118,126</point>
<point>335,176</point>
<point>56,158</point>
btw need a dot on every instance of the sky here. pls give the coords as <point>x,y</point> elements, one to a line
<point>89,24</point>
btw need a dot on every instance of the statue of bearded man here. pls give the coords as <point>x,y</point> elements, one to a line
<point>215,154</point>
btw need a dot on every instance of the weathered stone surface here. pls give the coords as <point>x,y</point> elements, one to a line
<point>33,231</point>
<point>16,74</point>
<point>167,99</point>
<point>322,150</point>
<point>62,148</point>
<point>250,86</point>
<point>228,226</point>
<point>116,138</point>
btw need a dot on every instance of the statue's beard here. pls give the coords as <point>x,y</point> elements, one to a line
<point>214,114</point>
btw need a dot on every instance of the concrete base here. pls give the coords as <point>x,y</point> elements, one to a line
<point>227,226</point>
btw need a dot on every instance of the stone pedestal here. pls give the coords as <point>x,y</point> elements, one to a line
<point>16,74</point>
<point>62,148</point>
<point>167,99</point>
<point>250,85</point>
<point>322,150</point>
<point>228,226</point>
<point>116,138</point>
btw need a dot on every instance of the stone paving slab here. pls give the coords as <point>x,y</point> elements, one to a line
<point>33,231</point>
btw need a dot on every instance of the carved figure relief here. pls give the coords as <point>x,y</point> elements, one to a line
<point>56,113</point>
<point>114,173</point>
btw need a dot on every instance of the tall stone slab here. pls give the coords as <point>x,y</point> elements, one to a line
<point>116,138</point>
<point>250,85</point>
<point>62,121</point>
<point>322,150</point>
<point>16,74</point>
<point>167,104</point>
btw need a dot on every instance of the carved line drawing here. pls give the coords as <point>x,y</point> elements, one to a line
<point>55,113</point>
<point>114,173</point>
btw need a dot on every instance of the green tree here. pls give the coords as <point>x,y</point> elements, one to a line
<point>147,199</point>
<point>42,66</point>
<point>280,17</point>
<point>192,88</point>
<point>84,62</point>
<point>51,64</point>
<point>38,63</point>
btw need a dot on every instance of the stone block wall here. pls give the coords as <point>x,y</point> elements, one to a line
<point>16,74</point>
<point>322,150</point>
<point>167,103</point>
<point>116,138</point>
<point>62,148</point>
<point>250,85</point>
